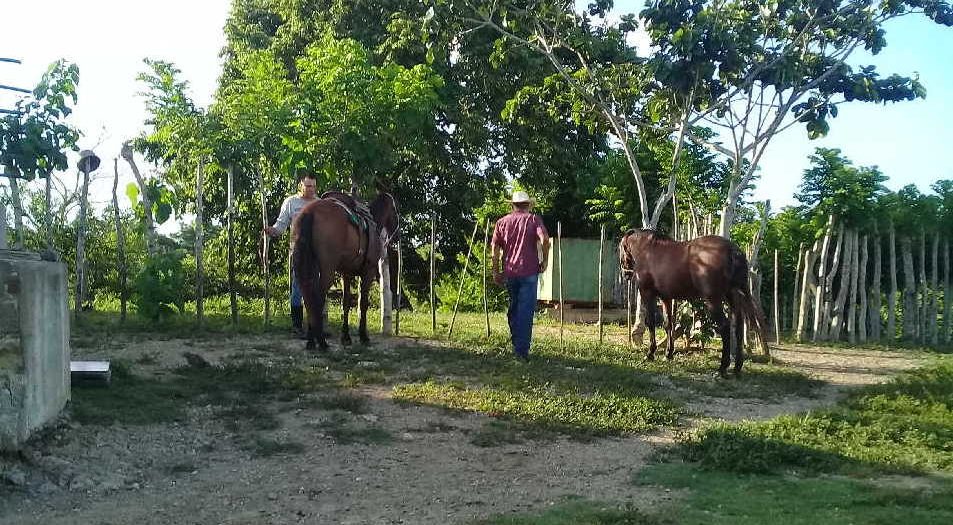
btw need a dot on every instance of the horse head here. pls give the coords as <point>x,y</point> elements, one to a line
<point>384,210</point>
<point>633,243</point>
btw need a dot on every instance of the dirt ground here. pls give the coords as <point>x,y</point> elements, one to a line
<point>194,472</point>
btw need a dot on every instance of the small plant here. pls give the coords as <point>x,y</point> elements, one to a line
<point>158,287</point>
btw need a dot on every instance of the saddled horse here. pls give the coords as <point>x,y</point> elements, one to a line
<point>709,268</point>
<point>332,235</point>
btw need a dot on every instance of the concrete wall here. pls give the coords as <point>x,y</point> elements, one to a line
<point>34,345</point>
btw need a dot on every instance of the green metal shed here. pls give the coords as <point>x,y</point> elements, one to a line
<point>581,273</point>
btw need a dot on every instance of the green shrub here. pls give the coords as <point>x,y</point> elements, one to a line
<point>158,289</point>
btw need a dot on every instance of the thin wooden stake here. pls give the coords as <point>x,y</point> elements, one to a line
<point>433,271</point>
<point>199,241</point>
<point>265,249</point>
<point>120,244</point>
<point>602,242</point>
<point>463,276</point>
<point>400,296</point>
<point>628,309</point>
<point>486,304</point>
<point>777,310</point>
<point>233,298</point>
<point>562,307</point>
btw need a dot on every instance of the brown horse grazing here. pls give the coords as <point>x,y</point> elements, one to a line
<point>709,268</point>
<point>330,236</point>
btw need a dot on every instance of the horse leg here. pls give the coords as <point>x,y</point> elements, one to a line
<point>668,309</point>
<point>346,307</point>
<point>314,293</point>
<point>365,301</point>
<point>649,305</point>
<point>724,331</point>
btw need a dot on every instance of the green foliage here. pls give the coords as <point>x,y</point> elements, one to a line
<point>34,139</point>
<point>902,426</point>
<point>581,512</point>
<point>833,186</point>
<point>471,295</point>
<point>713,498</point>
<point>158,288</point>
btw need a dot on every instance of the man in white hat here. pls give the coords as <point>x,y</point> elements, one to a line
<point>515,241</point>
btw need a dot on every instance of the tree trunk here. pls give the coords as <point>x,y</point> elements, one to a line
<point>909,290</point>
<point>923,302</point>
<point>821,299</point>
<point>199,244</point>
<point>892,298</point>
<point>862,290</point>
<point>854,281</point>
<point>933,323</point>
<point>795,296</point>
<point>17,211</point>
<point>873,317</point>
<point>81,247</point>
<point>120,245</point>
<point>127,154</point>
<point>838,307</point>
<point>232,294</point>
<point>947,322</point>
<point>808,287</point>
<point>3,226</point>
<point>777,300</point>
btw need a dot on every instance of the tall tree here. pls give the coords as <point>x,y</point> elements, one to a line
<point>774,65</point>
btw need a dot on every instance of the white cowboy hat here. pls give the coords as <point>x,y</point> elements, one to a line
<point>521,196</point>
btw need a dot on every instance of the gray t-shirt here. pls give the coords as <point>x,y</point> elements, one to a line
<point>290,209</point>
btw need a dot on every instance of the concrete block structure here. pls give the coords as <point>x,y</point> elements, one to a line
<point>34,345</point>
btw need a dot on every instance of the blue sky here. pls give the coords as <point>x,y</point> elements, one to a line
<point>909,141</point>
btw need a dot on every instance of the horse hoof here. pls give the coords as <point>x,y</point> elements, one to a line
<point>650,357</point>
<point>670,357</point>
<point>345,339</point>
<point>365,340</point>
<point>723,373</point>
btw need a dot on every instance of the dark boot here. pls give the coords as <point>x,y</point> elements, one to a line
<point>297,320</point>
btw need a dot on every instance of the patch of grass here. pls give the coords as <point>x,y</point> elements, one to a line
<point>729,498</point>
<point>434,427</point>
<point>148,358</point>
<point>182,467</point>
<point>343,432</point>
<point>266,447</point>
<point>344,401</point>
<point>496,433</point>
<point>360,377</point>
<point>240,389</point>
<point>576,512</point>
<point>574,412</point>
<point>902,426</point>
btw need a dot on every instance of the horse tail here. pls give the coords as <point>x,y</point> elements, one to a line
<point>304,260</point>
<point>749,309</point>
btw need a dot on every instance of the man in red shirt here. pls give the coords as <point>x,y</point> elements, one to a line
<point>515,238</point>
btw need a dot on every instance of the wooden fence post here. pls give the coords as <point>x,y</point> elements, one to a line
<point>199,241</point>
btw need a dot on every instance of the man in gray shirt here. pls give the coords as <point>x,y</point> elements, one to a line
<point>290,209</point>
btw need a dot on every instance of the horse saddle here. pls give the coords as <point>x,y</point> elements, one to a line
<point>357,212</point>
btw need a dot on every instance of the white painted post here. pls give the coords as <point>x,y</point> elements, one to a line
<point>383,267</point>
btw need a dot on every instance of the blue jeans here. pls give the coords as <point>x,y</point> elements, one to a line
<point>295,291</point>
<point>520,314</point>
